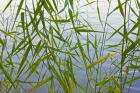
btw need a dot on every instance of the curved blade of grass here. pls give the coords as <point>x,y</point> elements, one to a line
<point>36,64</point>
<point>100,60</point>
<point>84,57</point>
<point>131,47</point>
<point>65,5</point>
<point>1,42</point>
<point>24,58</point>
<point>7,75</point>
<point>8,4</point>
<point>88,3</point>
<point>71,4</point>
<point>121,4</point>
<point>120,8</point>
<point>39,84</point>
<point>18,11</point>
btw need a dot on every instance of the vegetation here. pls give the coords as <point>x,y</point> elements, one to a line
<point>49,45</point>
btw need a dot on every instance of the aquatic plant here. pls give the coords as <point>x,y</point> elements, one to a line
<point>50,45</point>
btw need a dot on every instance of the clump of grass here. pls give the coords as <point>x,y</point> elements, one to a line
<point>50,43</point>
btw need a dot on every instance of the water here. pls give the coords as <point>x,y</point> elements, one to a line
<point>90,14</point>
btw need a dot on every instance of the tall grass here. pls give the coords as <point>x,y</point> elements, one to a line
<point>49,45</point>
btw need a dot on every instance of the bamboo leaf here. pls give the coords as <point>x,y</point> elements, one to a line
<point>100,60</point>
<point>39,84</point>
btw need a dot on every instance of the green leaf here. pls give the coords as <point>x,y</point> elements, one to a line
<point>8,77</point>
<point>8,4</point>
<point>24,58</point>
<point>2,42</point>
<point>39,84</point>
<point>34,66</point>
<point>120,8</point>
<point>100,60</point>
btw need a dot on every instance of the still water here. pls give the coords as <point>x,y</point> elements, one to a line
<point>90,14</point>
